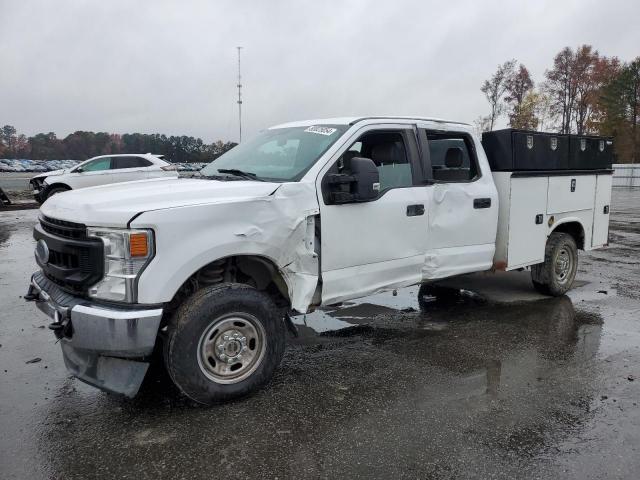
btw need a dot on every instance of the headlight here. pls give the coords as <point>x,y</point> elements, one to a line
<point>126,253</point>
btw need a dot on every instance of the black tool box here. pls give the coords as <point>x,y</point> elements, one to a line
<point>590,152</point>
<point>513,150</point>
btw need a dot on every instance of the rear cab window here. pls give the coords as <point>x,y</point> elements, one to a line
<point>450,156</point>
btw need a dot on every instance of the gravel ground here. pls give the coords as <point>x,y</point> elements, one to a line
<point>497,385</point>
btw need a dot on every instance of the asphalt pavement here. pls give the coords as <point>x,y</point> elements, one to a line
<point>503,383</point>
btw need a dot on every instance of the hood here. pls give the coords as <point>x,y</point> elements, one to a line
<point>115,204</point>
<point>52,173</point>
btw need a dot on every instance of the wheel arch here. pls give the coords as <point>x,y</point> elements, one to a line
<point>574,228</point>
<point>58,185</point>
<point>256,270</point>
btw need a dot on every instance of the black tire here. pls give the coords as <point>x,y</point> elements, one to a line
<point>55,190</point>
<point>555,276</point>
<point>193,371</point>
<point>442,295</point>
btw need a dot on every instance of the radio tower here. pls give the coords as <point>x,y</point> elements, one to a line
<point>239,96</point>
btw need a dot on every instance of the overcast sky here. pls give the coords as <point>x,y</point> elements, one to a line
<point>170,67</point>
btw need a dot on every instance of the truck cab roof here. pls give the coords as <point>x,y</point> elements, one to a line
<point>372,120</point>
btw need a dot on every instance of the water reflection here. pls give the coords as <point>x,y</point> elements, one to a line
<point>442,391</point>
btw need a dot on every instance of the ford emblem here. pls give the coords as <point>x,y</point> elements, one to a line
<point>42,252</point>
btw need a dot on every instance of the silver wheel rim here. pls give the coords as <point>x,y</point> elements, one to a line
<point>563,265</point>
<point>231,348</point>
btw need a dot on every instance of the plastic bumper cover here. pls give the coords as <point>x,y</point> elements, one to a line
<point>102,346</point>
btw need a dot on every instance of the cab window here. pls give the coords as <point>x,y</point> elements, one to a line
<point>452,157</point>
<point>389,152</point>
<point>97,165</point>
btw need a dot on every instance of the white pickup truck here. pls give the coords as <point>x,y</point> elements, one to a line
<point>208,270</point>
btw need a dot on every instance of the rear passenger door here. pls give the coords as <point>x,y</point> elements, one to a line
<point>379,244</point>
<point>463,210</point>
<point>130,168</point>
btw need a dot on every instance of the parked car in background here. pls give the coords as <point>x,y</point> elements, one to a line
<point>102,170</point>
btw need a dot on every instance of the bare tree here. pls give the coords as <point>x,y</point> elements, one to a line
<point>495,88</point>
<point>584,60</point>
<point>544,111</point>
<point>519,85</point>
<point>561,87</point>
<point>481,124</point>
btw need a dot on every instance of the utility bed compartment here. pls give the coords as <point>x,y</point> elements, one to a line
<point>534,203</point>
<point>568,193</point>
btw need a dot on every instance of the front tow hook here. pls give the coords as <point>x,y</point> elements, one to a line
<point>61,326</point>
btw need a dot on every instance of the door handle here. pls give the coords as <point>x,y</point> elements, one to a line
<point>481,203</point>
<point>415,210</point>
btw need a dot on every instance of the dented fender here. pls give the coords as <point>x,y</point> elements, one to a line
<point>279,226</point>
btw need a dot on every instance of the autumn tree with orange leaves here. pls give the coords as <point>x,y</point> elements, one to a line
<point>583,92</point>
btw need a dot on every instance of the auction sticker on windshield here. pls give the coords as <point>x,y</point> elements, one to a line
<point>321,130</point>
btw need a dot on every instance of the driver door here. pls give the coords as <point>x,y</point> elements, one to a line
<point>379,244</point>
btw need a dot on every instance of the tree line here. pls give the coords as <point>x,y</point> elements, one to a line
<point>583,92</point>
<point>81,145</point>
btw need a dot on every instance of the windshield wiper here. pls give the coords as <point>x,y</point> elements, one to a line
<point>240,173</point>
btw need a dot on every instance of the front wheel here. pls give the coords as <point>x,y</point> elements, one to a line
<point>224,342</point>
<point>55,191</point>
<point>556,275</point>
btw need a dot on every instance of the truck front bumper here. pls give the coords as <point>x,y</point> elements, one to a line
<point>107,347</point>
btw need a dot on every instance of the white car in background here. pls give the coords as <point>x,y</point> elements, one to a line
<point>102,170</point>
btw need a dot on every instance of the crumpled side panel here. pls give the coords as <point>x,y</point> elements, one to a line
<point>279,226</point>
<point>461,238</point>
<point>298,260</point>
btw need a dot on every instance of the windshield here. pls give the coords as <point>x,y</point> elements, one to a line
<point>281,154</point>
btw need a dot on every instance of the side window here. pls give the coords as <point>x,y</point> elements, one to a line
<point>388,151</point>
<point>131,162</point>
<point>452,157</point>
<point>97,165</point>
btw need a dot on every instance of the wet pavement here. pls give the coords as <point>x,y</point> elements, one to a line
<point>502,383</point>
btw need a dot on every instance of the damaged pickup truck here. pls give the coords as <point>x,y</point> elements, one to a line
<point>208,270</point>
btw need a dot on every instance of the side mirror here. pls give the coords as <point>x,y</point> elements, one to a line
<point>362,185</point>
<point>78,170</point>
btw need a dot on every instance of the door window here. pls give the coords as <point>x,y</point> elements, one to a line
<point>97,165</point>
<point>131,162</point>
<point>388,151</point>
<point>452,158</point>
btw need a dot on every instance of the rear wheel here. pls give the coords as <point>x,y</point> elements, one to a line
<point>224,342</point>
<point>556,275</point>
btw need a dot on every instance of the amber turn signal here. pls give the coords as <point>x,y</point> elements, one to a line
<point>138,246</point>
